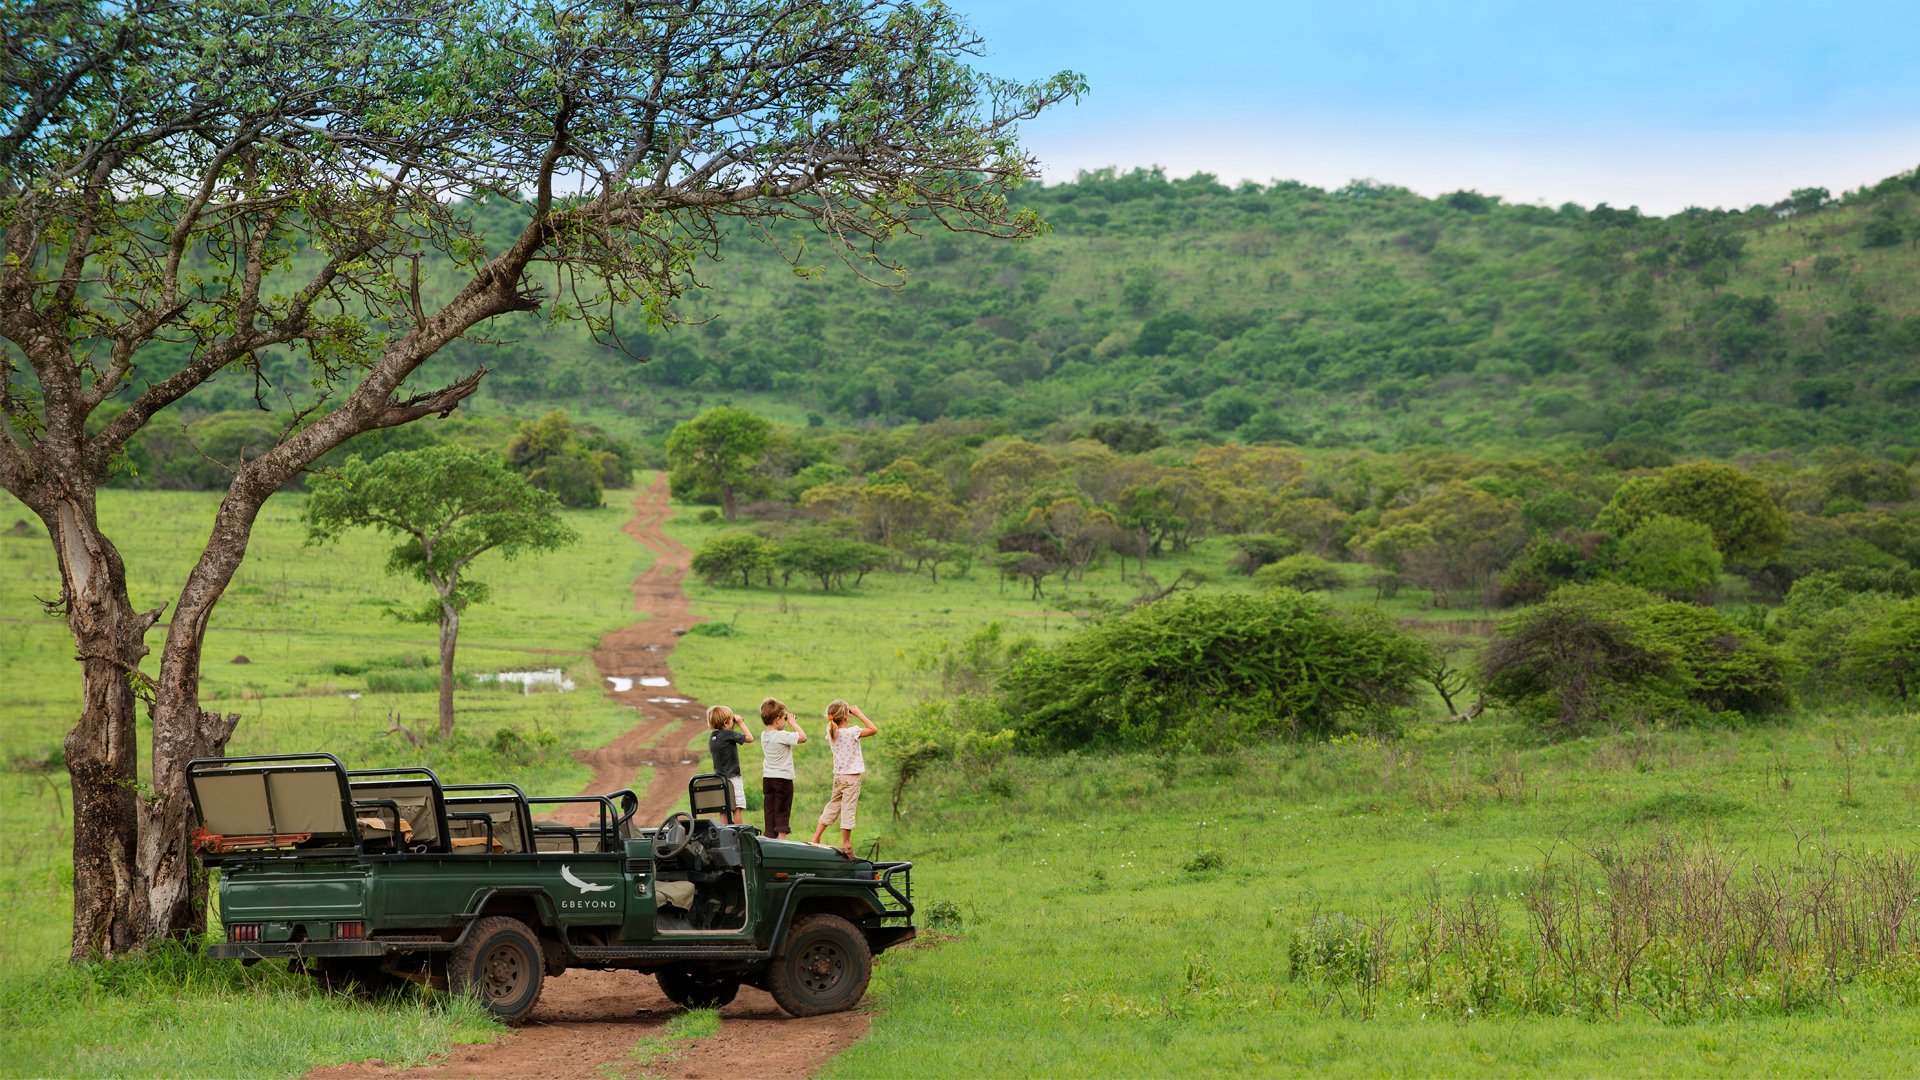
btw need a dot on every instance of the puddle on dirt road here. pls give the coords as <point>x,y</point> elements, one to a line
<point>620,685</point>
<point>670,701</point>
<point>547,679</point>
<point>655,680</point>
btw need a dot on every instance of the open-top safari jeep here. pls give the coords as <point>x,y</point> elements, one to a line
<point>377,876</point>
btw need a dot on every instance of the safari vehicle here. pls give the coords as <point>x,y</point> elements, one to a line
<point>378,876</point>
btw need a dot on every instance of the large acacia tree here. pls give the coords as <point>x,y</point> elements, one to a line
<point>186,186</point>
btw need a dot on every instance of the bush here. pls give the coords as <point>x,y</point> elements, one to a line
<point>1883,652</point>
<point>1609,653</point>
<point>735,554</point>
<point>1747,525</point>
<point>1210,670</point>
<point>1671,556</point>
<point>1303,572</point>
<point>1260,549</point>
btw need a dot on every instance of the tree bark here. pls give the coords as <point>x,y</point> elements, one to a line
<point>726,500</point>
<point>449,632</point>
<point>109,909</point>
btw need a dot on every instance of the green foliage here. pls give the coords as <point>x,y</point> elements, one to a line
<point>730,554</point>
<point>1307,573</point>
<point>1882,653</point>
<point>1746,522</point>
<point>827,559</point>
<point>713,456</point>
<point>576,465</point>
<point>1670,556</point>
<point>1257,550</point>
<point>1591,654</point>
<point>1212,670</point>
<point>449,505</point>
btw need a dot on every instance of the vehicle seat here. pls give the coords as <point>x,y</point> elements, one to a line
<point>674,894</point>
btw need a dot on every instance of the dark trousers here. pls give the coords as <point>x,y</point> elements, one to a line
<point>777,794</point>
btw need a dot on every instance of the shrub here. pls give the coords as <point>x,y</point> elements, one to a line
<point>1609,652</point>
<point>1747,525</point>
<point>1670,556</point>
<point>734,554</point>
<point>1260,549</point>
<point>1304,572</point>
<point>1883,653</point>
<point>1212,669</point>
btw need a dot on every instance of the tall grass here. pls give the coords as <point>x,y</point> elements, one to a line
<point>172,1012</point>
<point>1676,929</point>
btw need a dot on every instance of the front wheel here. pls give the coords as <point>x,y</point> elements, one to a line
<point>822,968</point>
<point>692,991</point>
<point>500,963</point>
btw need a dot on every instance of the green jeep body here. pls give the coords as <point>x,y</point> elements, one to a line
<point>377,876</point>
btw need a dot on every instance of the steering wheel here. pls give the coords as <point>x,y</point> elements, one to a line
<point>673,835</point>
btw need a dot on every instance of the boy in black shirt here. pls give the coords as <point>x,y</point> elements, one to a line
<point>723,742</point>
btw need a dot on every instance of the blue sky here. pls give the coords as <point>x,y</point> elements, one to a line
<point>1660,105</point>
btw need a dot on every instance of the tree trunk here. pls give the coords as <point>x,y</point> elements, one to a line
<point>102,757</point>
<point>182,730</point>
<point>449,631</point>
<point>726,500</point>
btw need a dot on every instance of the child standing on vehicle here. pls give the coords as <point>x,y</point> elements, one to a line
<point>723,742</point>
<point>776,767</point>
<point>849,765</point>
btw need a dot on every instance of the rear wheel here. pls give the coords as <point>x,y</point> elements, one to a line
<point>500,963</point>
<point>823,967</point>
<point>691,990</point>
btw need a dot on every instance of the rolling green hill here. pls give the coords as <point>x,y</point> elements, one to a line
<point>1367,316</point>
<point>1363,317</point>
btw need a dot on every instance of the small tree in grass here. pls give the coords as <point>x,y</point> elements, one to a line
<point>452,506</point>
<point>716,452</point>
<point>734,553</point>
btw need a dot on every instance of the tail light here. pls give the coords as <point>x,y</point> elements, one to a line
<point>246,931</point>
<point>349,930</point>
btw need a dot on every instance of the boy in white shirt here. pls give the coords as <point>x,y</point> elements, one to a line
<point>776,770</point>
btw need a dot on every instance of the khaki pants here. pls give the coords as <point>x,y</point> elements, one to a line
<point>846,798</point>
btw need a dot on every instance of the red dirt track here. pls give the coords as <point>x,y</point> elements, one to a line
<point>587,1021</point>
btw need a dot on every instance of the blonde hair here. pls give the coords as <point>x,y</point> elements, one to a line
<point>837,712</point>
<point>772,709</point>
<point>720,716</point>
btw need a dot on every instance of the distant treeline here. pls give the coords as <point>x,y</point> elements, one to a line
<point>1627,554</point>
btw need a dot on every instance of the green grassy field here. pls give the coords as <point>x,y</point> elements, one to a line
<point>1131,914</point>
<point>326,667</point>
<point>1087,913</point>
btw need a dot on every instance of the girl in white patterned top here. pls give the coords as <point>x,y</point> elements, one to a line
<point>849,764</point>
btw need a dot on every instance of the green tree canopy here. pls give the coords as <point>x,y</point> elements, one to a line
<point>1670,556</point>
<point>1748,526</point>
<point>715,454</point>
<point>450,506</point>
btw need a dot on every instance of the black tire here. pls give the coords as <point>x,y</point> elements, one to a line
<point>499,963</point>
<point>693,990</point>
<point>823,967</point>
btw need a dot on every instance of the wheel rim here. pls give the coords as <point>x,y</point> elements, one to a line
<point>822,966</point>
<point>504,974</point>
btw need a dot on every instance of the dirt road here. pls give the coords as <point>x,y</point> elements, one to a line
<point>588,1021</point>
